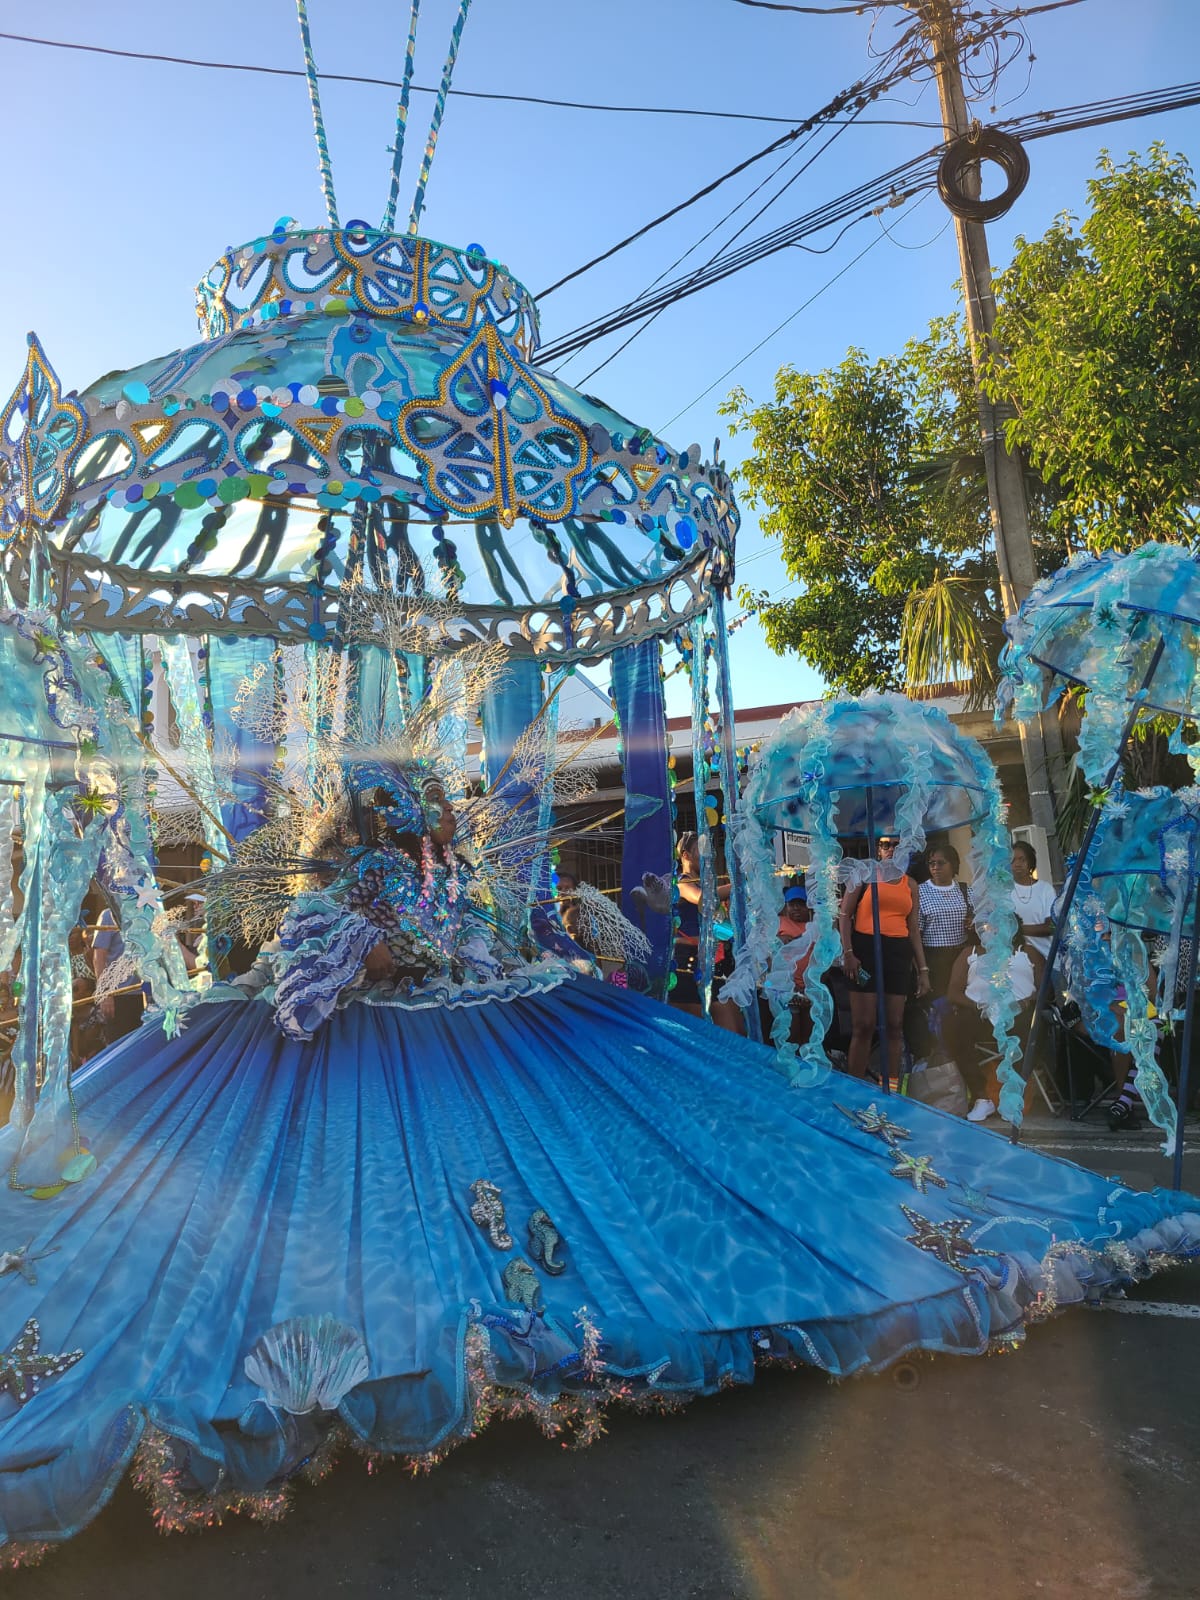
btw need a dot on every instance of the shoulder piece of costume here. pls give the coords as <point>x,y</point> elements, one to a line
<point>322,947</point>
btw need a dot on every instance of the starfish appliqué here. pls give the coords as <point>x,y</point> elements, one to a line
<point>175,1020</point>
<point>147,893</point>
<point>976,1199</point>
<point>946,1241</point>
<point>22,1261</point>
<point>917,1169</point>
<point>23,1367</point>
<point>94,803</point>
<point>872,1120</point>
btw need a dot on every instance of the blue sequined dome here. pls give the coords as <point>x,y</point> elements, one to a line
<point>363,405</point>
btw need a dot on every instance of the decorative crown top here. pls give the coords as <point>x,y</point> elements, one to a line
<point>295,272</point>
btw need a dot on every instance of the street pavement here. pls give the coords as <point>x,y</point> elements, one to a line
<point>1070,1468</point>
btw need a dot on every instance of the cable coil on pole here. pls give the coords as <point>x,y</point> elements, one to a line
<point>983,144</point>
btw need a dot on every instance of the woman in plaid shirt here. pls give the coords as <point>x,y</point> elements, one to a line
<point>946,916</point>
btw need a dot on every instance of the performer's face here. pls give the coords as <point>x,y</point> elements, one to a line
<point>443,829</point>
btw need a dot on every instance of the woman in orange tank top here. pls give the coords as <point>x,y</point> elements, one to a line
<point>900,939</point>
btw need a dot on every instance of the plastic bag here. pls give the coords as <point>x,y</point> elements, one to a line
<point>941,1086</point>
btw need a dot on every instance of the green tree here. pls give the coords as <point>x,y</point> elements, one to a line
<point>871,476</point>
<point>871,473</point>
<point>1099,323</point>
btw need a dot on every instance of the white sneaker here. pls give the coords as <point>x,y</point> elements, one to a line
<point>981,1111</point>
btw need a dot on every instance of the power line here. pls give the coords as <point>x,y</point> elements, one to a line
<point>741,361</point>
<point>885,232</point>
<point>902,66</point>
<point>837,132</point>
<point>703,239</point>
<point>819,11</point>
<point>888,190</point>
<point>1097,113</point>
<point>905,180</point>
<point>855,98</point>
<point>745,200</point>
<point>392,83</point>
<point>666,216</point>
<point>1016,14</point>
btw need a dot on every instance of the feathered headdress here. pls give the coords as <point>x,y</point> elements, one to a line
<point>408,798</point>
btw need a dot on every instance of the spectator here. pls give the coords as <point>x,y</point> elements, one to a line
<point>793,921</point>
<point>87,1035</point>
<point>566,894</point>
<point>120,1013</point>
<point>918,866</point>
<point>191,933</point>
<point>900,942</point>
<point>686,993</point>
<point>1127,1110</point>
<point>945,912</point>
<point>8,1039</point>
<point>793,924</point>
<point>945,915</point>
<point>1033,900</point>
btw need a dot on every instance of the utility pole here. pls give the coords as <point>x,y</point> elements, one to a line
<point>1041,742</point>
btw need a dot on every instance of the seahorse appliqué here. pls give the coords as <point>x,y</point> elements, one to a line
<point>488,1212</point>
<point>544,1241</point>
<point>521,1287</point>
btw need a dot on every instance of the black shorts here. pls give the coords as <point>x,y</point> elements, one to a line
<point>687,991</point>
<point>897,963</point>
<point>941,959</point>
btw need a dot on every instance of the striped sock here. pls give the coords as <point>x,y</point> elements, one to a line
<point>1129,1097</point>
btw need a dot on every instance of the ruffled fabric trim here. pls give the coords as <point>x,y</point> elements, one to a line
<point>514,983</point>
<point>521,1364</point>
<point>535,978</point>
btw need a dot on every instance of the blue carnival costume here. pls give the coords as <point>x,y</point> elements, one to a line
<point>407,1173</point>
<point>328,1211</point>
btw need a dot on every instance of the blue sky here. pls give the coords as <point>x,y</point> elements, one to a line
<point>126,179</point>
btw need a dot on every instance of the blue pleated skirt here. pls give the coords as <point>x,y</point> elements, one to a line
<point>709,1216</point>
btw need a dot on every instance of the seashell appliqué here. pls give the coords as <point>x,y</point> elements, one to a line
<point>308,1364</point>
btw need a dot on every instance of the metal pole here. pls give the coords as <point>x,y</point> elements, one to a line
<point>1068,894</point>
<point>1185,1048</point>
<point>885,1073</point>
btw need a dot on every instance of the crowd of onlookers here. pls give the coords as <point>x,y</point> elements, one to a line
<point>909,936</point>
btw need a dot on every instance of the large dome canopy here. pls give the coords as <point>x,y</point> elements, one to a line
<point>362,407</point>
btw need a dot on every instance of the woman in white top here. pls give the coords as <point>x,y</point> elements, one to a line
<point>1033,900</point>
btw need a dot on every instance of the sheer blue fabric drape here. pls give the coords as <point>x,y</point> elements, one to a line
<point>230,663</point>
<point>649,846</point>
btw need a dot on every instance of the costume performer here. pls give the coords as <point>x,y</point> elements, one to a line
<point>397,1179</point>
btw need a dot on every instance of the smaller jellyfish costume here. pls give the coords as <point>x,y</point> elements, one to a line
<point>859,768</point>
<point>1127,629</point>
<point>1125,929</point>
<point>1124,627</point>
